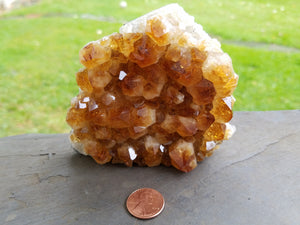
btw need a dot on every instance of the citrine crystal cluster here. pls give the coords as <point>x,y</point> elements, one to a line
<point>157,92</point>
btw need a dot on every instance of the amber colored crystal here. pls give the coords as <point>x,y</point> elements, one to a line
<point>182,155</point>
<point>146,52</point>
<point>94,54</point>
<point>155,29</point>
<point>97,151</point>
<point>153,151</point>
<point>158,92</point>
<point>82,79</point>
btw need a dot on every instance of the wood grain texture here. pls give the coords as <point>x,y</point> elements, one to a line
<point>252,179</point>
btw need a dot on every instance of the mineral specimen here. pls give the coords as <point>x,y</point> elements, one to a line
<point>157,92</point>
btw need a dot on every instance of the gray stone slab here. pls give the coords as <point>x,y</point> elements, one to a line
<point>252,179</point>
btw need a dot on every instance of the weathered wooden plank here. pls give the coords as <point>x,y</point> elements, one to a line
<point>252,179</point>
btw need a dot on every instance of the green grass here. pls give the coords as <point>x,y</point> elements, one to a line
<point>39,54</point>
<point>274,21</point>
<point>268,80</point>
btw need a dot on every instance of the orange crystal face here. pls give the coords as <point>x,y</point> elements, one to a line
<point>151,98</point>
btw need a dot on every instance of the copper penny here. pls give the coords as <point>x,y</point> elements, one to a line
<point>145,203</point>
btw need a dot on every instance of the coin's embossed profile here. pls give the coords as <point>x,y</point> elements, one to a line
<point>145,203</point>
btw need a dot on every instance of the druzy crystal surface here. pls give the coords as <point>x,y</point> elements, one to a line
<point>157,92</point>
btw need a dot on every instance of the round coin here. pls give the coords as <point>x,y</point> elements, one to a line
<point>145,203</point>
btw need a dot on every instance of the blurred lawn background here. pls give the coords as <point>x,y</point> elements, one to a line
<point>39,53</point>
